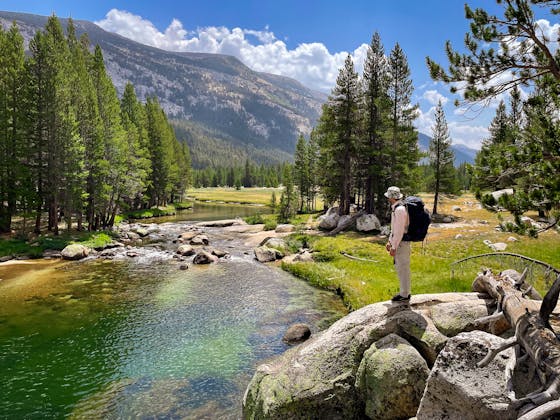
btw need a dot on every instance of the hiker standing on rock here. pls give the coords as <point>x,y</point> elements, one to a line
<point>398,248</point>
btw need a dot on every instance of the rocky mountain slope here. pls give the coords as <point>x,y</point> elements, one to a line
<point>219,105</point>
<point>463,154</point>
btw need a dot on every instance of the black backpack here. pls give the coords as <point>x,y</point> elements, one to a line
<point>419,219</point>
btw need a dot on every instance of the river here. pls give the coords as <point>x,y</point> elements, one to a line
<point>140,337</point>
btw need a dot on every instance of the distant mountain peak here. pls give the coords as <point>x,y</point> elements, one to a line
<point>463,154</point>
<point>252,114</point>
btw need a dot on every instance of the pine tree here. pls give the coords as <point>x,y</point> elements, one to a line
<point>114,162</point>
<point>301,171</point>
<point>134,124</point>
<point>495,164</point>
<point>404,138</point>
<point>313,159</point>
<point>57,120</point>
<point>508,51</point>
<point>339,134</point>
<point>537,185</point>
<point>441,157</point>
<point>288,199</point>
<point>12,148</point>
<point>374,166</point>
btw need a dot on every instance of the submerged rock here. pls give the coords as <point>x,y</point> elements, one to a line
<point>297,333</point>
<point>204,257</point>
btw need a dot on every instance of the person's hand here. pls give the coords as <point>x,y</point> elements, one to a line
<point>392,252</point>
<point>388,247</point>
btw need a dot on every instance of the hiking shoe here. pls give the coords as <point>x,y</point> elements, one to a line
<point>399,298</point>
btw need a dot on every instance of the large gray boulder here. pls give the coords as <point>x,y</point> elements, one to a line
<point>266,254</point>
<point>276,243</point>
<point>368,223</point>
<point>330,219</point>
<point>454,317</point>
<point>391,378</point>
<point>75,252</point>
<point>317,379</point>
<point>498,194</point>
<point>458,389</point>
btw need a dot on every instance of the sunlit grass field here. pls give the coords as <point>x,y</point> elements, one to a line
<point>363,282</point>
<point>261,196</point>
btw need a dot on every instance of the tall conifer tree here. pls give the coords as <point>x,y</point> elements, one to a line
<point>404,137</point>
<point>345,105</point>
<point>12,147</point>
<point>441,158</point>
<point>375,153</point>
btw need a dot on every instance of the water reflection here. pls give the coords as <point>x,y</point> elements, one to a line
<point>212,211</point>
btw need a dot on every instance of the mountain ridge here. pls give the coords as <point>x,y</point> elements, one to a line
<point>260,114</point>
<point>462,153</point>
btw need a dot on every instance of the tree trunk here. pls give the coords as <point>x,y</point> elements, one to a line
<point>533,335</point>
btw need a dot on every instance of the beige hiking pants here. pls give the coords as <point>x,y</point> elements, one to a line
<point>402,266</point>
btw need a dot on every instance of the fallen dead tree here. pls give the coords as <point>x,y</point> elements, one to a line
<point>534,338</point>
<point>347,224</point>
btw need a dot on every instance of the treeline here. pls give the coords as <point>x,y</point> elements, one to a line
<point>68,146</point>
<point>248,175</point>
<point>365,141</point>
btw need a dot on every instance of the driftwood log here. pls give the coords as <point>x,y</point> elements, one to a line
<point>534,338</point>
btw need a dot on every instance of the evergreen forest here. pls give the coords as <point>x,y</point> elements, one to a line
<point>71,150</point>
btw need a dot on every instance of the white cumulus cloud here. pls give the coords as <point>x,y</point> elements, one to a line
<point>433,97</point>
<point>461,132</point>
<point>310,63</point>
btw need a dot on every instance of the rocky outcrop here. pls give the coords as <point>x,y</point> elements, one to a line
<point>222,223</point>
<point>458,388</point>
<point>285,228</point>
<point>333,374</point>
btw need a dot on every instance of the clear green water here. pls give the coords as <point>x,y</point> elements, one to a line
<point>143,339</point>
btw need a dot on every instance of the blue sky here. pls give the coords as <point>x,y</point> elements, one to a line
<point>306,39</point>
